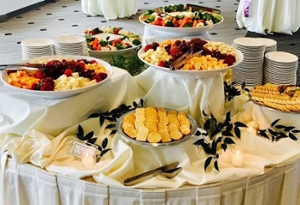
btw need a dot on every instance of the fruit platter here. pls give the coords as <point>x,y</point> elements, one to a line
<point>180,19</point>
<point>57,76</point>
<point>212,59</point>
<point>285,98</point>
<point>153,126</point>
<point>111,40</point>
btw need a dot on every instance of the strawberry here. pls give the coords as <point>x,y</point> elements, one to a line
<point>68,72</point>
<point>148,47</point>
<point>161,63</point>
<point>47,87</point>
<point>39,75</point>
<point>174,50</point>
<point>34,86</point>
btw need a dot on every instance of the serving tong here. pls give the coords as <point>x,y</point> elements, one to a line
<point>169,171</point>
<point>179,62</point>
<point>21,66</point>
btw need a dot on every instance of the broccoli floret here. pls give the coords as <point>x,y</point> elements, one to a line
<point>103,43</point>
<point>216,18</point>
<point>119,46</point>
<point>206,16</point>
<point>180,7</point>
<point>150,19</point>
<point>167,9</point>
<point>180,16</point>
<point>148,12</point>
<point>97,30</point>
<point>136,42</point>
<point>169,24</point>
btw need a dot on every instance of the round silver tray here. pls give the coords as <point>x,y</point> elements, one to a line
<point>175,142</point>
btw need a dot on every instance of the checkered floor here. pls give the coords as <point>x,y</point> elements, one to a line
<point>66,17</point>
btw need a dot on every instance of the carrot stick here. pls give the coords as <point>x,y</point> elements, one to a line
<point>195,23</point>
<point>174,20</point>
<point>182,24</point>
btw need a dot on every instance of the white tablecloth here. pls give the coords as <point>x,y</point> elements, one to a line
<point>280,16</point>
<point>110,9</point>
<point>46,139</point>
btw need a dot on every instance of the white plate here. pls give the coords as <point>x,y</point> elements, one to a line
<point>69,39</point>
<point>281,56</point>
<point>185,31</point>
<point>36,42</point>
<point>196,73</point>
<point>58,94</point>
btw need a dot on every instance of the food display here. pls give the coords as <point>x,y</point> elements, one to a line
<point>180,16</point>
<point>280,97</point>
<point>59,75</point>
<point>156,125</point>
<point>111,39</point>
<point>213,55</point>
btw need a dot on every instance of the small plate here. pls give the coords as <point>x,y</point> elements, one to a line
<point>57,94</point>
<point>175,142</point>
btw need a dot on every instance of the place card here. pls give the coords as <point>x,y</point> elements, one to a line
<point>79,149</point>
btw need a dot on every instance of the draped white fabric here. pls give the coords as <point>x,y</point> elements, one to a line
<point>110,9</point>
<point>280,16</point>
<point>45,141</point>
<point>44,188</point>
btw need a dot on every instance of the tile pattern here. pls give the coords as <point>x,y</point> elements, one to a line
<point>66,17</point>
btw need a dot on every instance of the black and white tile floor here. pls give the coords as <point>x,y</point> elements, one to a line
<point>66,17</point>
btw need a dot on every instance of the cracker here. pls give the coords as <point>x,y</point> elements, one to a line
<point>154,137</point>
<point>142,133</point>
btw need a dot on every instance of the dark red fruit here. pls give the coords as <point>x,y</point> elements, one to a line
<point>68,72</point>
<point>148,47</point>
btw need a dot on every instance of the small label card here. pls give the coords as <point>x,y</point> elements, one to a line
<point>79,148</point>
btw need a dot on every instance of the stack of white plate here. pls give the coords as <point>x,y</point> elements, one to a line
<point>250,70</point>
<point>70,45</point>
<point>35,47</point>
<point>271,45</point>
<point>280,68</point>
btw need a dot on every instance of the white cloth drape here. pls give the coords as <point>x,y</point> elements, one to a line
<point>280,16</point>
<point>110,9</point>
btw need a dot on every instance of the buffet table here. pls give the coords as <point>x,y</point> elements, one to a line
<point>279,16</point>
<point>37,166</point>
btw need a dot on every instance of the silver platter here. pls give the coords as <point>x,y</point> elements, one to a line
<point>159,144</point>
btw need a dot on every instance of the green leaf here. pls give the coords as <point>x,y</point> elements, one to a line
<point>283,135</point>
<point>279,126</point>
<point>198,133</point>
<point>237,132</point>
<point>113,132</point>
<point>92,141</point>
<point>216,165</point>
<point>109,126</point>
<point>228,140</point>
<point>295,131</point>
<point>101,120</point>
<point>228,117</point>
<point>226,133</point>
<point>94,115</point>
<point>207,162</point>
<point>110,119</point>
<point>103,152</point>
<point>142,102</point>
<point>263,134</point>
<point>289,128</point>
<point>203,112</point>
<point>240,124</point>
<point>293,137</point>
<point>135,104</point>
<point>104,143</point>
<point>89,135</point>
<point>274,123</point>
<point>100,148</point>
<point>207,124</point>
<point>224,146</point>
<point>273,132</point>
<point>199,142</point>
<point>229,127</point>
<point>80,132</point>
<point>214,147</point>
